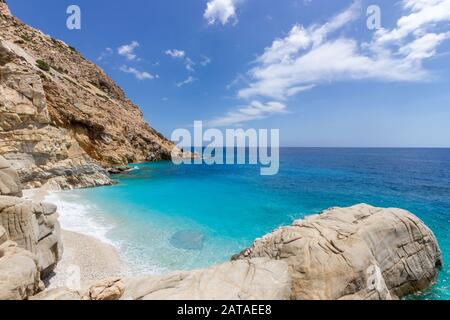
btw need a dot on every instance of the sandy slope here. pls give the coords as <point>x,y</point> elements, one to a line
<point>85,258</point>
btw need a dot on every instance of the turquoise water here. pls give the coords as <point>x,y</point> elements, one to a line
<point>230,206</point>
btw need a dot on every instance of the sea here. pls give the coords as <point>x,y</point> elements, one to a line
<point>164,217</point>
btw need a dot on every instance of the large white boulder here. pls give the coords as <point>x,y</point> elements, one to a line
<point>257,279</point>
<point>19,273</point>
<point>361,252</point>
<point>34,227</point>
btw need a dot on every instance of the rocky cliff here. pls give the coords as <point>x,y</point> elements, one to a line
<point>62,119</point>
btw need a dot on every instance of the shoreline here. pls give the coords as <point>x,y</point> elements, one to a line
<point>86,258</point>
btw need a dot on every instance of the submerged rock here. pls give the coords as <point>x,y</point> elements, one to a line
<point>120,170</point>
<point>188,240</point>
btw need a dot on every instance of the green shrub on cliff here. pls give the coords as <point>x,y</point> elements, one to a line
<point>25,37</point>
<point>43,65</point>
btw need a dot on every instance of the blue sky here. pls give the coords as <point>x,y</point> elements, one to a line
<point>311,68</point>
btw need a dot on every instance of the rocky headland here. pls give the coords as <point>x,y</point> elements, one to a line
<point>63,120</point>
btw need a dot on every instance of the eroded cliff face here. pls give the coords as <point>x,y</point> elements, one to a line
<point>4,10</point>
<point>64,120</point>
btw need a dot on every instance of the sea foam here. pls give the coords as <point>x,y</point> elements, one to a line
<point>80,215</point>
<point>77,215</point>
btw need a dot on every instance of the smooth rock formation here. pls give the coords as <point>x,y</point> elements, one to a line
<point>360,252</point>
<point>256,279</point>
<point>34,227</point>
<point>19,273</point>
<point>19,268</point>
<point>63,120</point>
<point>9,180</point>
<point>106,290</point>
<point>30,240</point>
<point>58,294</point>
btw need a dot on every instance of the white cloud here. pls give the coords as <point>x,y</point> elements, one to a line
<point>180,54</point>
<point>236,82</point>
<point>105,54</point>
<point>205,61</point>
<point>189,80</point>
<point>254,111</point>
<point>174,53</point>
<point>127,50</point>
<point>140,75</point>
<point>423,47</point>
<point>422,15</point>
<point>222,11</point>
<point>310,56</point>
<point>189,64</point>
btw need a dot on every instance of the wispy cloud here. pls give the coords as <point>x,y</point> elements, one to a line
<point>420,17</point>
<point>205,61</point>
<point>253,111</point>
<point>189,80</point>
<point>127,50</point>
<point>310,56</point>
<point>105,54</point>
<point>223,11</point>
<point>175,53</point>
<point>236,82</point>
<point>140,75</point>
<point>189,64</point>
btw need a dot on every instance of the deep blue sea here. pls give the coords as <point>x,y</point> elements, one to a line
<point>230,206</point>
